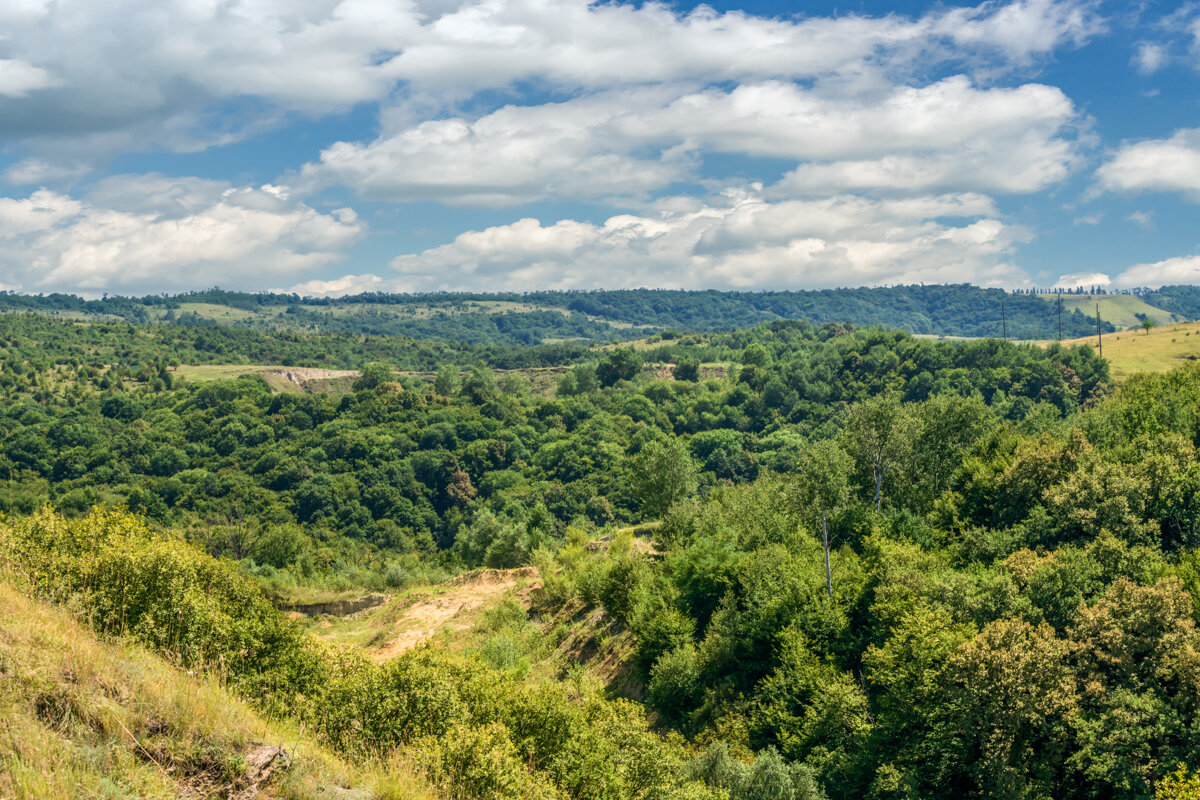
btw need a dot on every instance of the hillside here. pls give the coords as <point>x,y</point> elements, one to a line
<point>786,561</point>
<point>86,718</point>
<point>588,316</point>
<point>1163,348</point>
<point>1124,311</point>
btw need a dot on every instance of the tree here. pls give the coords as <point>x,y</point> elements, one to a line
<point>663,474</point>
<point>878,432</point>
<point>372,375</point>
<point>823,488</point>
<point>687,369</point>
<point>1147,324</point>
<point>621,364</point>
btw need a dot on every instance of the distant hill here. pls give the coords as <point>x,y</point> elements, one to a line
<point>538,317</point>
<point>1124,311</point>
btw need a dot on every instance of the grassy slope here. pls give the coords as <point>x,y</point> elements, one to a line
<point>1164,348</point>
<point>85,718</point>
<point>1119,309</point>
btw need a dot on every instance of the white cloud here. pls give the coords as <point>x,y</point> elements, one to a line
<point>106,77</point>
<point>512,155</point>
<point>1184,269</point>
<point>19,78</point>
<point>151,233</point>
<point>1149,57</point>
<point>39,172</point>
<point>1156,165</point>
<point>573,43</point>
<point>347,284</point>
<point>1144,219</point>
<point>949,134</point>
<point>1076,280</point>
<point>742,242</point>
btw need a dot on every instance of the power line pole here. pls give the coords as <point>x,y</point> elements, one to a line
<point>1099,338</point>
<point>1060,315</point>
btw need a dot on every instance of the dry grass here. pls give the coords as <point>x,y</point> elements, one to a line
<point>1162,349</point>
<point>81,718</point>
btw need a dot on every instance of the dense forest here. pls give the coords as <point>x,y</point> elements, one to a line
<point>871,565</point>
<point>596,316</point>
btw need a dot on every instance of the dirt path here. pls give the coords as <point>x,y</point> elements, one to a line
<point>452,608</point>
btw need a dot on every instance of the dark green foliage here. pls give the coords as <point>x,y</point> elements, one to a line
<point>620,364</point>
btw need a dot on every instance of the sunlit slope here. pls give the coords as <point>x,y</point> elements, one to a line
<point>1163,348</point>
<point>84,718</point>
<point>1120,309</point>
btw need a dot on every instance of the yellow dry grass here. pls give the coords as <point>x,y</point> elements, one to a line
<point>84,718</point>
<point>1162,349</point>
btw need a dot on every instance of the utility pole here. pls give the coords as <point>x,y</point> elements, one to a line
<point>1004,319</point>
<point>1099,338</point>
<point>1060,315</point>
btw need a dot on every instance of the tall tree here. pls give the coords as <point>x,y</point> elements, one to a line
<point>879,433</point>
<point>823,489</point>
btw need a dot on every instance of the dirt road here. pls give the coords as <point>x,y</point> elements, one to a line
<point>453,607</point>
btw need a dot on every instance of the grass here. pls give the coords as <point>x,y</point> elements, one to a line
<point>80,717</point>
<point>1119,309</point>
<point>1163,348</point>
<point>201,373</point>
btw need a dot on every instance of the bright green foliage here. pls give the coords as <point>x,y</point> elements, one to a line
<point>1012,545</point>
<point>480,733</point>
<point>663,474</point>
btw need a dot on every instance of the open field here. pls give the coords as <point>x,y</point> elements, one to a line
<point>1164,348</point>
<point>202,373</point>
<point>1119,309</point>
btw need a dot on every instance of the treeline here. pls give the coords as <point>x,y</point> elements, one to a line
<point>947,310</point>
<point>1181,300</point>
<point>36,345</point>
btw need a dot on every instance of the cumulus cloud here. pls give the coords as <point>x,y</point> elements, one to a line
<point>744,241</point>
<point>1076,280</point>
<point>143,73</point>
<point>1183,269</point>
<point>347,284</point>
<point>1156,165</point>
<point>152,233</point>
<point>949,134</point>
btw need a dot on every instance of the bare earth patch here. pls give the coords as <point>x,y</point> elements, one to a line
<point>453,608</point>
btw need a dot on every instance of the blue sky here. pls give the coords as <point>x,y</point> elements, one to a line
<point>335,146</point>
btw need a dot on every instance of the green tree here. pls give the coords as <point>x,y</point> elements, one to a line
<point>687,369</point>
<point>663,474</point>
<point>823,488</point>
<point>621,364</point>
<point>372,375</point>
<point>879,433</point>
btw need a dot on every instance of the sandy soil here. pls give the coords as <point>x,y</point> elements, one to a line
<point>453,607</point>
<point>301,375</point>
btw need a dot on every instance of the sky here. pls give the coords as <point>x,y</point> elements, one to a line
<point>329,147</point>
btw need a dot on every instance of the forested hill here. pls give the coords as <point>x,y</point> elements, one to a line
<point>788,562</point>
<point>537,317</point>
